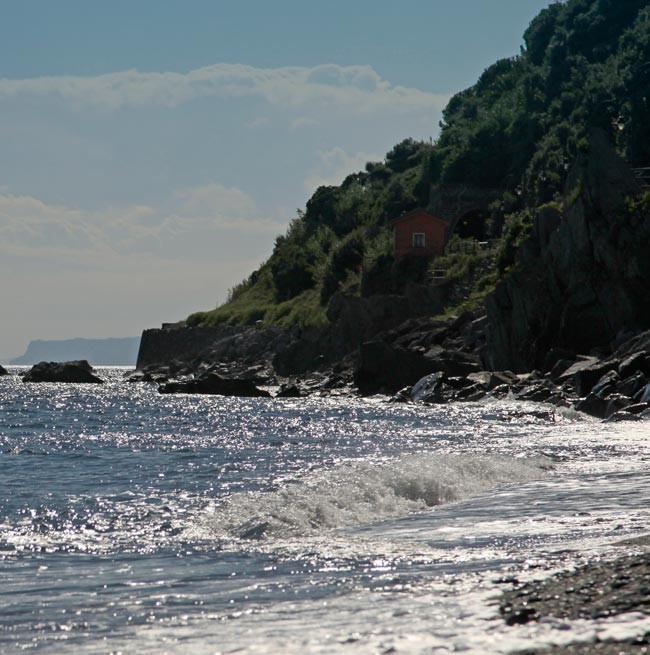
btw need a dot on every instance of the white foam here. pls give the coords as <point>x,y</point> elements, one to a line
<point>361,493</point>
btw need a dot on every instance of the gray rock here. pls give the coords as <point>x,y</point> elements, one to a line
<point>71,372</point>
<point>429,388</point>
<point>639,362</point>
<point>632,385</point>
<point>623,416</point>
<point>214,384</point>
<point>291,390</point>
<point>606,384</point>
<point>644,395</point>
<point>593,405</point>
<point>615,403</point>
<point>585,378</point>
<point>492,379</point>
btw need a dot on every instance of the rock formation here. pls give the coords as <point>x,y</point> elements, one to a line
<point>77,371</point>
<point>582,284</point>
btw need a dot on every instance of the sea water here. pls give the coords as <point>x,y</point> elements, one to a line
<point>133,522</point>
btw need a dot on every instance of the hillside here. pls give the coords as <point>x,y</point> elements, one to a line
<point>508,144</point>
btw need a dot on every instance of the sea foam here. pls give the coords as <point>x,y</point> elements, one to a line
<point>362,493</point>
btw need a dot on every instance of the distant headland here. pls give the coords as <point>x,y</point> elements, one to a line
<point>99,352</point>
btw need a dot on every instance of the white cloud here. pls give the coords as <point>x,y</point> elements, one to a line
<point>334,166</point>
<point>260,121</point>
<point>303,122</point>
<point>356,88</point>
<point>199,218</point>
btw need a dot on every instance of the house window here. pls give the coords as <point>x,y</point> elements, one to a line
<point>418,240</point>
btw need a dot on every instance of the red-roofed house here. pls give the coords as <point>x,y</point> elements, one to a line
<point>419,233</point>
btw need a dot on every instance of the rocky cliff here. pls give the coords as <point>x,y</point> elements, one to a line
<point>582,279</point>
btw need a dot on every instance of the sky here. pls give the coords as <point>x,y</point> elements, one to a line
<point>152,150</point>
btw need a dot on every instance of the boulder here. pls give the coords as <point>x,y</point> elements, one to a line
<point>290,390</point>
<point>586,374</point>
<point>639,362</point>
<point>385,368</point>
<point>615,403</point>
<point>541,392</point>
<point>214,384</point>
<point>621,416</point>
<point>492,379</point>
<point>429,388</point>
<point>3,371</point>
<point>593,405</point>
<point>74,372</point>
<point>632,385</point>
<point>643,396</point>
<point>607,384</point>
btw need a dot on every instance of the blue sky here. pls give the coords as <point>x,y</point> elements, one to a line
<point>152,150</point>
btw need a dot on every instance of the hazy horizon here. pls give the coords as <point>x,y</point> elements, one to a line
<point>151,154</point>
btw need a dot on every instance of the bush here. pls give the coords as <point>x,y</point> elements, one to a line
<point>348,256</point>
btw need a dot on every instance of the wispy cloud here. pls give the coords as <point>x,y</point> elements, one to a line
<point>198,217</point>
<point>358,88</point>
<point>334,165</point>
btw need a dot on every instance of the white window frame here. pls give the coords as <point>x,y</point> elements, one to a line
<point>414,240</point>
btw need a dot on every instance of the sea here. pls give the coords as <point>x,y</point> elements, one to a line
<point>134,522</point>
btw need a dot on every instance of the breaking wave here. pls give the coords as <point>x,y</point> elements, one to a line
<point>363,493</point>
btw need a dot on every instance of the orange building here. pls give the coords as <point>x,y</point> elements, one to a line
<point>419,233</point>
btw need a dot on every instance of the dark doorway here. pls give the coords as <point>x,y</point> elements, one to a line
<point>472,225</point>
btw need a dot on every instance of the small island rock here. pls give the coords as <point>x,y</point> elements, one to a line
<point>72,372</point>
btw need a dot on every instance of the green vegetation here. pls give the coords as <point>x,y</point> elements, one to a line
<point>585,65</point>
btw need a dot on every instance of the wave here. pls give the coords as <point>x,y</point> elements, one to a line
<point>362,493</point>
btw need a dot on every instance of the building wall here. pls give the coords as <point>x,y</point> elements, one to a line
<point>422,222</point>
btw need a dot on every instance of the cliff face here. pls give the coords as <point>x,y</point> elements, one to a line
<point>582,278</point>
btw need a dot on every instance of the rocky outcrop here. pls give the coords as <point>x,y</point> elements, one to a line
<point>581,281</point>
<point>417,348</point>
<point>3,371</point>
<point>212,383</point>
<point>75,372</point>
<point>615,388</point>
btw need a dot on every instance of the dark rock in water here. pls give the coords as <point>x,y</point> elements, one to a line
<point>593,405</point>
<point>541,392</point>
<point>472,393</point>
<point>290,391</point>
<point>429,388</point>
<point>75,372</point>
<point>619,417</point>
<point>615,403</point>
<point>213,383</point>
<point>586,377</point>
<point>638,408</point>
<point>3,371</point>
